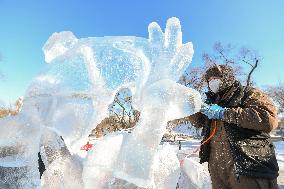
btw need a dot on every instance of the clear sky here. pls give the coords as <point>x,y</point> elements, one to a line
<point>26,25</point>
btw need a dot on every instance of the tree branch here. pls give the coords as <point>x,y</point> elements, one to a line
<point>250,73</point>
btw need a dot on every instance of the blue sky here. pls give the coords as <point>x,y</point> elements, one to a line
<point>26,25</point>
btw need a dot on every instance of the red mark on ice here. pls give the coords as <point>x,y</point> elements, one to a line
<point>86,146</point>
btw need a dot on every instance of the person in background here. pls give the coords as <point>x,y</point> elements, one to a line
<point>240,154</point>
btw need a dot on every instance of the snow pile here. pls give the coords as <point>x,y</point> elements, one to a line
<point>71,96</point>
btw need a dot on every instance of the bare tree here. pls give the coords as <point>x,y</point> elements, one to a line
<point>122,115</point>
<point>123,109</point>
<point>12,110</point>
<point>240,59</point>
<point>193,78</point>
<point>250,58</point>
<point>243,60</point>
<point>277,94</point>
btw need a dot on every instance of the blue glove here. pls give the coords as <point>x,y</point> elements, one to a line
<point>213,111</point>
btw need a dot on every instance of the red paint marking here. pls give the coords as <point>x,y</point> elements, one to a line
<point>86,147</point>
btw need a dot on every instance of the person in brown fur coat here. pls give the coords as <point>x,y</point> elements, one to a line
<point>241,154</point>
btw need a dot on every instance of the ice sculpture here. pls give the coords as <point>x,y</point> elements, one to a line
<point>72,94</point>
<point>159,100</point>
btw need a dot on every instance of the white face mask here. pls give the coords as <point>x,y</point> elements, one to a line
<point>214,85</point>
